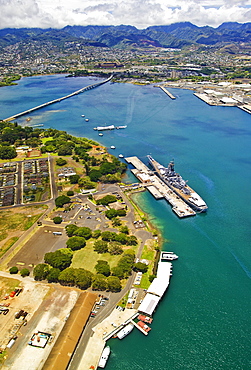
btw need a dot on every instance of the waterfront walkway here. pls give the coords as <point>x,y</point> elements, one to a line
<point>89,87</point>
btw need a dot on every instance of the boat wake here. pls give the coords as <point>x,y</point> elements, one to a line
<point>243,266</point>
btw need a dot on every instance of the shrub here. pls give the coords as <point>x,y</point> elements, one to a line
<point>70,193</point>
<point>57,220</point>
<point>61,162</point>
<point>13,270</point>
<point>24,272</point>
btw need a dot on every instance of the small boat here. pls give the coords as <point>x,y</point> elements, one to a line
<point>82,115</point>
<point>125,331</point>
<point>113,147</point>
<point>169,256</point>
<point>121,156</point>
<point>100,128</point>
<point>145,319</point>
<point>143,326</point>
<point>87,119</point>
<point>100,134</point>
<point>104,357</point>
<point>118,127</point>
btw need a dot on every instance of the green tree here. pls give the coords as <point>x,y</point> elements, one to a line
<point>7,152</point>
<point>84,232</point>
<point>70,229</point>
<point>96,234</point>
<point>74,179</point>
<point>139,266</point>
<point>100,246</point>
<point>58,259</point>
<point>95,175</point>
<point>107,200</point>
<point>67,276</point>
<point>41,271</point>
<point>61,200</point>
<point>132,240</point>
<point>113,284</point>
<point>53,275</point>
<point>76,242</point>
<point>118,271</point>
<point>24,272</point>
<point>99,282</point>
<point>61,161</point>
<point>13,270</point>
<point>83,278</point>
<point>111,213</point>
<point>102,267</point>
<point>124,229</point>
<point>57,220</point>
<point>115,248</point>
<point>116,222</point>
<point>70,193</point>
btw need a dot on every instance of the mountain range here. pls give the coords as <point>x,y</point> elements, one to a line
<point>177,35</point>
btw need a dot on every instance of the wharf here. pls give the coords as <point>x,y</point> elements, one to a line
<point>158,188</point>
<point>167,92</point>
<point>101,333</point>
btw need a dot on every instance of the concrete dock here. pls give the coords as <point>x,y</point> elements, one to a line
<point>101,333</point>
<point>167,92</point>
<point>158,188</point>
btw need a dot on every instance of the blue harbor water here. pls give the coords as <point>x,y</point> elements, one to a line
<point>204,319</point>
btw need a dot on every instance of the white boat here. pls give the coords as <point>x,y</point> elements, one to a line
<point>113,147</point>
<point>104,357</point>
<point>118,127</point>
<point>101,128</point>
<point>121,156</point>
<point>169,256</point>
<point>100,134</point>
<point>82,115</point>
<point>125,331</point>
<point>86,119</point>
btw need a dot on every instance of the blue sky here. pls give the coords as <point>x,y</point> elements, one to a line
<point>139,13</point>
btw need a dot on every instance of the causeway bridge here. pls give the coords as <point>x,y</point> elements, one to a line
<point>89,87</point>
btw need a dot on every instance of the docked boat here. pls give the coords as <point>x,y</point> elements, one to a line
<point>178,185</point>
<point>146,319</point>
<point>102,128</point>
<point>104,357</point>
<point>143,326</point>
<point>125,331</point>
<point>169,256</point>
<point>118,127</point>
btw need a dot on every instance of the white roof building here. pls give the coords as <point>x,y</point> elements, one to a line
<point>149,304</point>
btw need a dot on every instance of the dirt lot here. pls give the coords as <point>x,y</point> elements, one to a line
<point>47,307</point>
<point>41,242</point>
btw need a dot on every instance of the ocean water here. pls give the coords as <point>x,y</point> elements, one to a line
<point>204,319</point>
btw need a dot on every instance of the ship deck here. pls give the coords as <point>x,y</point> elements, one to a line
<point>158,188</point>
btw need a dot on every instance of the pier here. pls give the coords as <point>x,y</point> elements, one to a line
<point>158,188</point>
<point>167,92</point>
<point>89,87</point>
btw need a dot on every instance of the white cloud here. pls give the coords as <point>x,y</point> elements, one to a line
<point>139,13</point>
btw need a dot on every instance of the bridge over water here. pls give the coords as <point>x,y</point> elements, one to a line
<point>89,87</point>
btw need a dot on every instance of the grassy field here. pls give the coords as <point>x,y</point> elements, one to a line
<point>14,222</point>
<point>7,285</point>
<point>87,258</point>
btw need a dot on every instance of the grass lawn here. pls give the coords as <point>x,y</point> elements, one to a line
<point>7,245</point>
<point>87,258</point>
<point>7,285</point>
